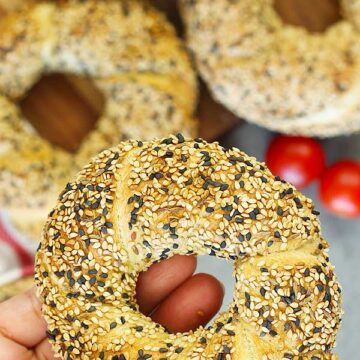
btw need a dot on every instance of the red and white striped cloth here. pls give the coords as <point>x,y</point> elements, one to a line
<point>16,252</point>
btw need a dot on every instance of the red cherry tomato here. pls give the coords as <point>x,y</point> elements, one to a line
<point>340,188</point>
<point>296,159</point>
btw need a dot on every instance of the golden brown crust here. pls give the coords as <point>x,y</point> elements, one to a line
<point>141,202</point>
<point>134,57</point>
<point>277,75</point>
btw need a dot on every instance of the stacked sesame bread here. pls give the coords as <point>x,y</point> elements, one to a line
<point>277,75</point>
<point>132,55</point>
<point>142,202</point>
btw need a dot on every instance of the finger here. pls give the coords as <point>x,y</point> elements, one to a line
<point>192,304</point>
<point>43,351</point>
<point>11,350</point>
<point>161,279</point>
<point>21,320</point>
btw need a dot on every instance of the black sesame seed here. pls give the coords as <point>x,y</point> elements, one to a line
<point>180,138</point>
<point>167,141</point>
<point>226,349</point>
<point>203,340</point>
<point>81,280</point>
<point>189,182</point>
<point>224,187</point>
<point>183,158</point>
<point>252,215</point>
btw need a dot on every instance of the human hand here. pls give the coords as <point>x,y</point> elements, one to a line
<point>168,289</point>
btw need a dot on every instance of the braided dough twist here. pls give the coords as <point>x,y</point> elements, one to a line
<point>277,75</point>
<point>133,56</point>
<point>139,203</point>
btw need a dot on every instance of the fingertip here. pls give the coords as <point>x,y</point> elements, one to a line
<point>161,279</point>
<point>22,320</point>
<point>44,351</point>
<point>192,304</point>
<point>212,282</point>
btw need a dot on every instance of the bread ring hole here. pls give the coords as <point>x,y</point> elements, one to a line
<point>223,271</point>
<point>314,15</point>
<point>63,109</point>
<point>180,296</point>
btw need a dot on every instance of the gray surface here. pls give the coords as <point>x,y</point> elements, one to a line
<point>343,235</point>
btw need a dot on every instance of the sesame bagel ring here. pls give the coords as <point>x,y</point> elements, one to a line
<point>142,202</point>
<point>134,58</point>
<point>277,75</point>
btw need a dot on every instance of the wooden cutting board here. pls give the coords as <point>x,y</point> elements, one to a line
<point>58,103</point>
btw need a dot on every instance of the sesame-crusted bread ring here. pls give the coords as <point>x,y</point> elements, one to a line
<point>132,55</point>
<point>142,202</point>
<point>277,75</point>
